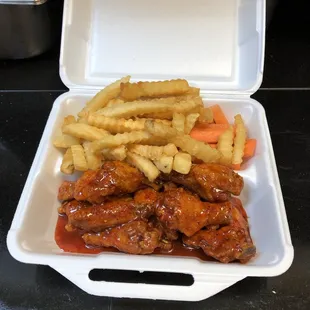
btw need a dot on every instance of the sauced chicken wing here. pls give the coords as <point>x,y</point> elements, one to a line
<point>137,237</point>
<point>212,182</point>
<point>181,210</point>
<point>229,243</point>
<point>114,178</point>
<point>96,217</point>
<point>66,190</point>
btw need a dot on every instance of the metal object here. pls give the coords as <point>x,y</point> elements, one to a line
<point>26,28</point>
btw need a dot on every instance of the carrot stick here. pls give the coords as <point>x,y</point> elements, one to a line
<point>213,145</point>
<point>218,115</point>
<point>236,166</point>
<point>249,149</point>
<point>207,134</point>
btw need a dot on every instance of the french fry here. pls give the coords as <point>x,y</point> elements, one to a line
<point>115,125</point>
<point>206,115</point>
<point>119,139</point>
<point>82,120</point>
<point>133,91</point>
<point>65,141</point>
<point>118,153</point>
<point>69,119</point>
<point>190,122</point>
<point>135,108</point>
<point>79,159</point>
<point>225,146</point>
<point>178,121</point>
<point>239,141</point>
<point>164,164</point>
<point>143,164</point>
<point>114,101</point>
<point>104,96</point>
<point>194,91</point>
<point>154,152</point>
<point>195,148</point>
<point>67,165</point>
<point>94,161</point>
<point>182,163</point>
<point>85,131</point>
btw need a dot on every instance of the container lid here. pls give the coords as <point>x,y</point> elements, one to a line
<point>217,45</point>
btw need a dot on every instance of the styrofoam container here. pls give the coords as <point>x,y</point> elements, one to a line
<point>217,45</point>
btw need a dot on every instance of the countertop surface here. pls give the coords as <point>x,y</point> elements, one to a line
<point>28,89</point>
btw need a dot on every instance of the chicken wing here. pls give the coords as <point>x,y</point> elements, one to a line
<point>96,217</point>
<point>66,191</point>
<point>137,237</point>
<point>212,182</point>
<point>229,243</point>
<point>181,210</point>
<point>114,178</point>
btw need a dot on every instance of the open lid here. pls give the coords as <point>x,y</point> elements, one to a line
<point>217,45</point>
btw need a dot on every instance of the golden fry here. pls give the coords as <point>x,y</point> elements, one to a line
<point>119,139</point>
<point>178,121</point>
<point>79,159</point>
<point>164,164</point>
<point>85,131</point>
<point>135,108</point>
<point>115,125</point>
<point>114,101</point>
<point>65,141</point>
<point>67,165</point>
<point>185,142</point>
<point>225,146</point>
<point>206,115</point>
<point>134,91</point>
<point>104,96</point>
<point>118,153</point>
<point>194,91</point>
<point>94,161</point>
<point>144,165</point>
<point>70,119</point>
<point>182,163</point>
<point>154,152</point>
<point>239,141</point>
<point>190,122</point>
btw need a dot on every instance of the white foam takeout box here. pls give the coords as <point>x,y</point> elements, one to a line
<point>217,45</point>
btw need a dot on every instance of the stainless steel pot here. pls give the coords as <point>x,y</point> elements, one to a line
<point>26,27</point>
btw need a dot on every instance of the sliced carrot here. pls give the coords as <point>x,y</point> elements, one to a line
<point>218,115</point>
<point>207,134</point>
<point>249,149</point>
<point>213,145</point>
<point>217,126</point>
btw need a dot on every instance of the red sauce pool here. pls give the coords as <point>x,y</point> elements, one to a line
<point>72,242</point>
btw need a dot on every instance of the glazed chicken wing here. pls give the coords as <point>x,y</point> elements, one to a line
<point>229,243</point>
<point>96,217</point>
<point>114,178</point>
<point>212,182</point>
<point>66,190</point>
<point>137,237</point>
<point>184,211</point>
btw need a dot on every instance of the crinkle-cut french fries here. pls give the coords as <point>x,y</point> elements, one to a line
<point>133,91</point>
<point>143,164</point>
<point>79,159</point>
<point>82,120</point>
<point>164,164</point>
<point>239,141</point>
<point>94,161</point>
<point>194,91</point>
<point>118,153</point>
<point>135,108</point>
<point>185,142</point>
<point>104,96</point>
<point>190,122</point>
<point>119,139</point>
<point>115,125</point>
<point>114,101</point>
<point>65,141</point>
<point>178,121</point>
<point>69,119</point>
<point>85,131</point>
<point>206,115</point>
<point>154,152</point>
<point>225,146</point>
<point>67,165</point>
<point>182,163</point>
